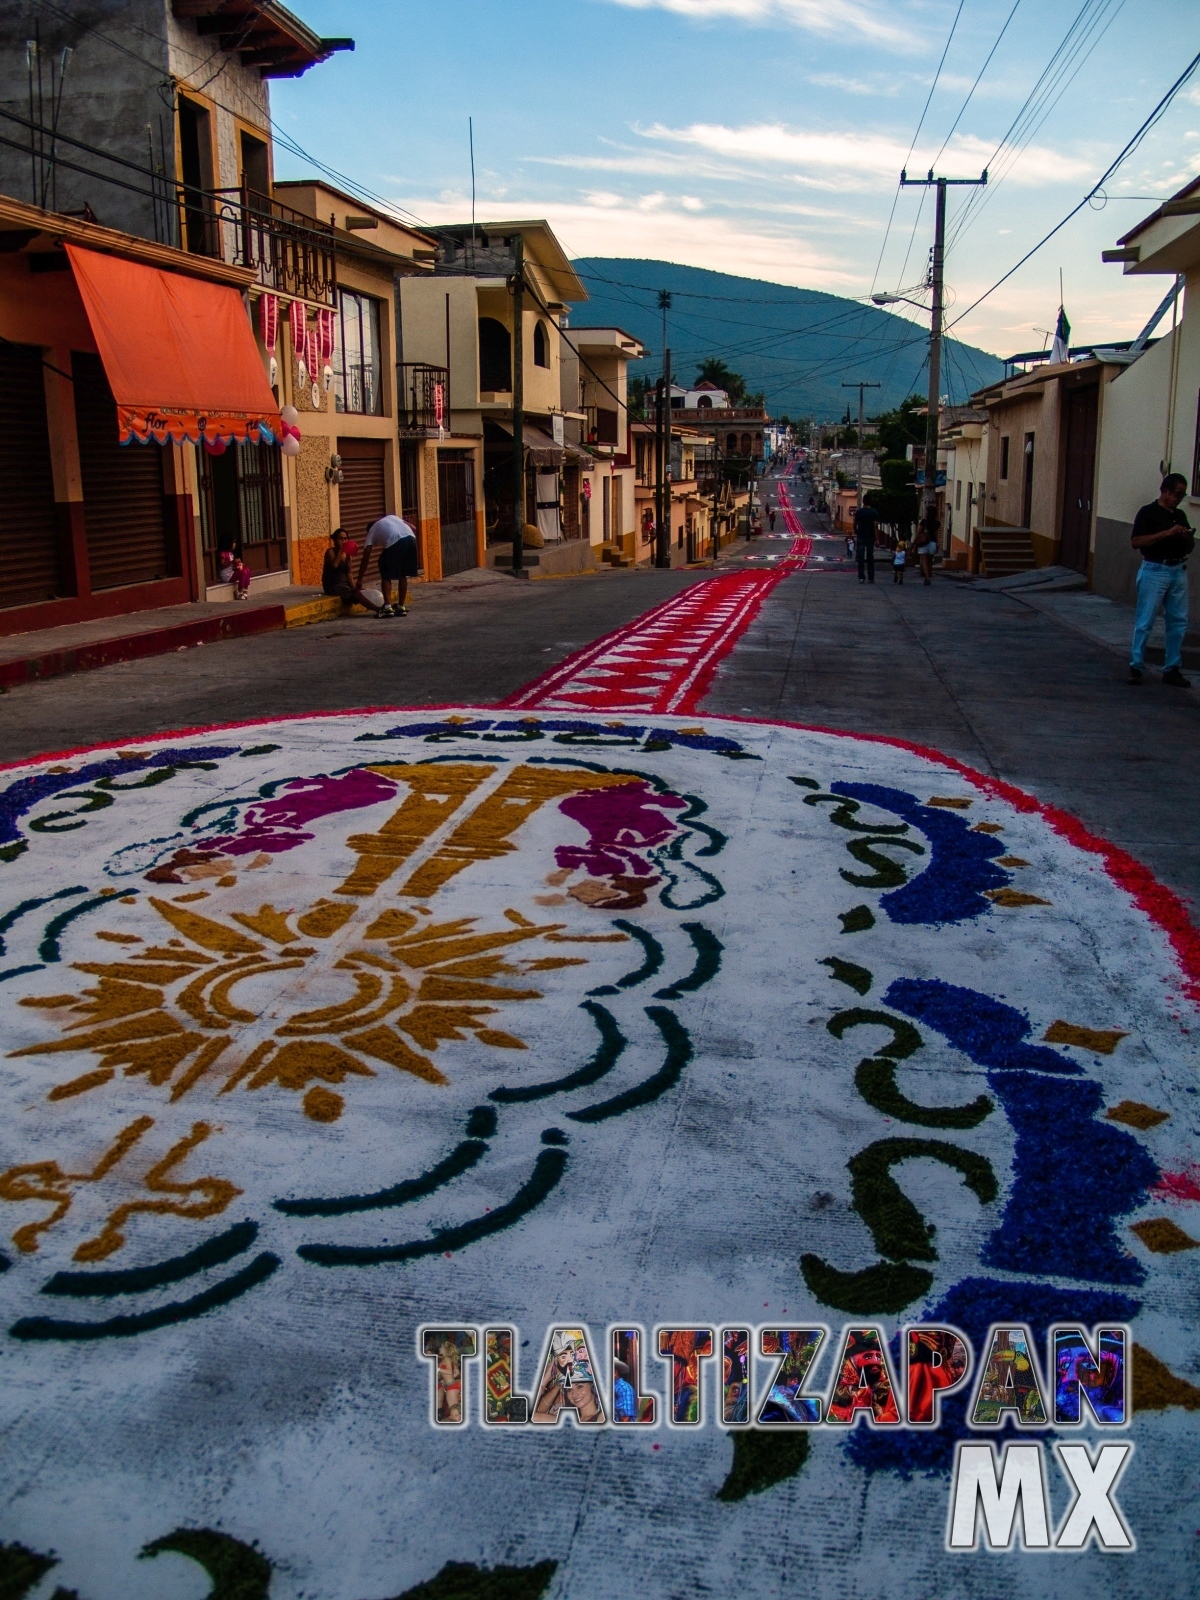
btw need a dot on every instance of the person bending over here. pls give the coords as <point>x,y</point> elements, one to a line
<point>398,561</point>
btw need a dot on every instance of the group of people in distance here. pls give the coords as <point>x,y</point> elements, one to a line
<point>399,561</point>
<point>861,544</point>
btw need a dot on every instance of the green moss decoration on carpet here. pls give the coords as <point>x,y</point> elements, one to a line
<point>761,1460</point>
<point>21,1570</point>
<point>888,874</point>
<point>461,1580</point>
<point>883,1289</point>
<point>847,972</point>
<point>857,920</point>
<point>897,1227</point>
<point>875,1080</point>
<point>238,1571</point>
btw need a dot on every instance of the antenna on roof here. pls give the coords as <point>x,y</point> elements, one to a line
<point>471,139</point>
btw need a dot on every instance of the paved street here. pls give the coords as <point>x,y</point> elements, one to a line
<point>986,678</point>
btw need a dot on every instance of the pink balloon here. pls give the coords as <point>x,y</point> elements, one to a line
<point>215,446</point>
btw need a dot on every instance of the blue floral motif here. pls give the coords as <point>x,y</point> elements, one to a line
<point>961,869</point>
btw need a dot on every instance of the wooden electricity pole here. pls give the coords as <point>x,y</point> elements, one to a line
<point>937,266</point>
<point>861,425</point>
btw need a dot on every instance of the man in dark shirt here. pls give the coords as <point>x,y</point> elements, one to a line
<point>865,520</point>
<point>1165,538</point>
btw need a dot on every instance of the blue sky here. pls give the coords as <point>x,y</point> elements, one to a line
<point>765,137</point>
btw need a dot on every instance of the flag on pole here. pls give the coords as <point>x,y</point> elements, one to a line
<point>1062,338</point>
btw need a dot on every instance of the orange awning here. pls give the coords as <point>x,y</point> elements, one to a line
<point>179,353</point>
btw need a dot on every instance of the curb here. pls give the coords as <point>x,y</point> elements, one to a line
<point>137,646</point>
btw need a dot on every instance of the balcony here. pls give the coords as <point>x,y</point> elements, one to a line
<point>290,253</point>
<point>424,400</point>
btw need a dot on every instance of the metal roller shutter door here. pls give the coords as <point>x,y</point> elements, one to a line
<point>124,505</point>
<point>29,558</point>
<point>361,495</point>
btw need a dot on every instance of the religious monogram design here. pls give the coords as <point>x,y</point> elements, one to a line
<point>328,1038</point>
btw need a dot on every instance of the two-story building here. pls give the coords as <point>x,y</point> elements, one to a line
<point>461,317</point>
<point>599,483</point>
<point>139,241</point>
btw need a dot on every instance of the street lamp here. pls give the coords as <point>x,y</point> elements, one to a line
<point>894,299</point>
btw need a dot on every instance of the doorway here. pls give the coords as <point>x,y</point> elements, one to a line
<point>456,508</point>
<point>1079,476</point>
<point>241,508</point>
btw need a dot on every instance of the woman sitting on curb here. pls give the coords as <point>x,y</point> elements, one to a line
<point>335,575</point>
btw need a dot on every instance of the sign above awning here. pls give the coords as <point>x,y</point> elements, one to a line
<point>179,353</point>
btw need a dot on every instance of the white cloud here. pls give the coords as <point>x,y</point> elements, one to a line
<point>656,226</point>
<point>843,18</point>
<point>832,80</point>
<point>868,155</point>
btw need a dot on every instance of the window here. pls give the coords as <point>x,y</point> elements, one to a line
<point>731,445</point>
<point>495,356</point>
<point>1004,456</point>
<point>608,424</point>
<point>255,164</point>
<point>704,403</point>
<point>200,236</point>
<point>541,345</point>
<point>958,483</point>
<point>357,356</point>
<point>1196,454</point>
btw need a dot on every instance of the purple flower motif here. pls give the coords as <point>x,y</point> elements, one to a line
<point>279,824</point>
<point>621,822</point>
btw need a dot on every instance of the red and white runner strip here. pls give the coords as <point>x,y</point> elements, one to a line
<point>790,520</point>
<point>665,660</point>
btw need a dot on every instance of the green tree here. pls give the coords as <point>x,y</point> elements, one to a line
<point>713,370</point>
<point>899,428</point>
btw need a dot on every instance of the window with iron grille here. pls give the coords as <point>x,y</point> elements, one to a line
<point>358,357</point>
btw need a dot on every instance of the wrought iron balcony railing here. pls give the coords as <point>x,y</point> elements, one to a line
<point>289,252</point>
<point>425,399</point>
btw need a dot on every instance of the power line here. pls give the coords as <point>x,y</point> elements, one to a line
<point>987,63</point>
<point>1155,115</point>
<point>1046,93</point>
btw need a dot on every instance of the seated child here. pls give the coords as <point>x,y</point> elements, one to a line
<point>232,569</point>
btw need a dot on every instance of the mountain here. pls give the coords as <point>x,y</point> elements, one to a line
<point>795,345</point>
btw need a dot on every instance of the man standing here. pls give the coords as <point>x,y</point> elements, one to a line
<point>865,520</point>
<point>398,561</point>
<point>1165,537</point>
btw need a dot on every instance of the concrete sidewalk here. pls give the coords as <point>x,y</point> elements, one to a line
<point>82,646</point>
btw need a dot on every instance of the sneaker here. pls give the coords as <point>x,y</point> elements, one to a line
<point>399,611</point>
<point>1176,679</point>
<point>385,611</point>
<point>1135,675</point>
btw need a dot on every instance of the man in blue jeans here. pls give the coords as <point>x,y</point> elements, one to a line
<point>1165,537</point>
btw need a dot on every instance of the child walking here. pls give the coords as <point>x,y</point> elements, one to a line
<point>898,563</point>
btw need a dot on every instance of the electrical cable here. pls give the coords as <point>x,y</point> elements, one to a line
<point>1155,115</point>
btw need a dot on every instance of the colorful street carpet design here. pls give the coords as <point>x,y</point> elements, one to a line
<point>326,1031</point>
<point>665,660</point>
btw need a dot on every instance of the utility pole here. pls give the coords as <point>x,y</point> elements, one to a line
<point>662,548</point>
<point>937,283</point>
<point>662,543</point>
<point>518,407</point>
<point>861,425</point>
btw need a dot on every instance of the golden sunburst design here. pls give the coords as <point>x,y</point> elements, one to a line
<point>170,1012</point>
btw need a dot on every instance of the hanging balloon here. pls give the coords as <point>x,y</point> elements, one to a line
<point>215,446</point>
<point>291,445</point>
<point>290,416</point>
